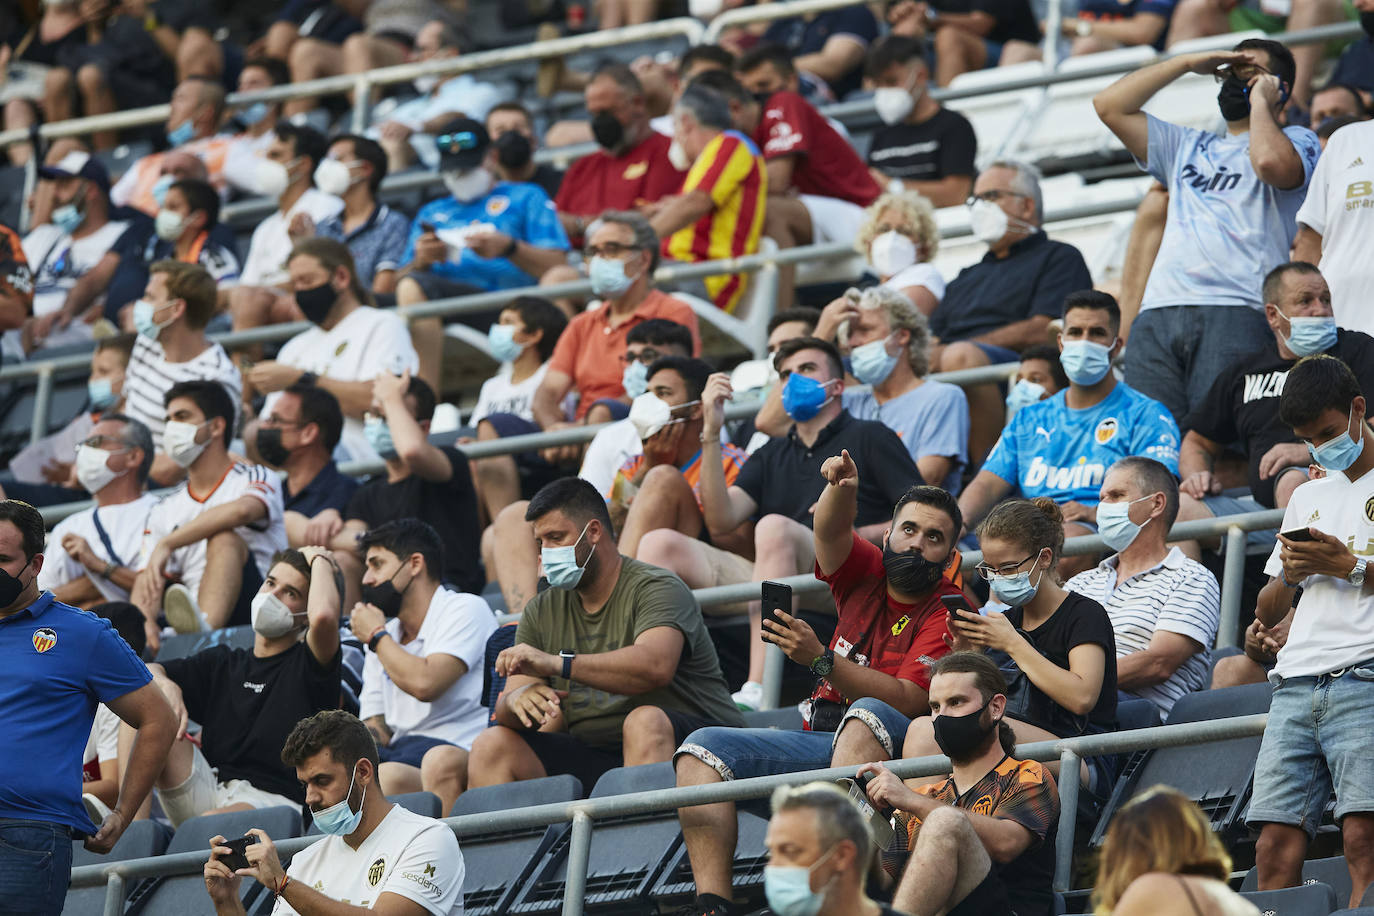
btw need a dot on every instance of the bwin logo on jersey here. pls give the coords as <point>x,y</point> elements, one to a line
<point>1221,181</point>
<point>1082,474</point>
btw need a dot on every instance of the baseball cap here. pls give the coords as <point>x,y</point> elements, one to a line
<point>77,164</point>
<point>462,144</point>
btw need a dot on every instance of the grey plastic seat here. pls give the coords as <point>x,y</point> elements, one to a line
<point>1304,900</point>
<point>1333,872</point>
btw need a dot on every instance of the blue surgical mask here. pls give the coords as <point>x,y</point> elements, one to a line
<point>803,397</point>
<point>67,218</point>
<point>1310,334</point>
<point>379,436</point>
<point>161,187</point>
<point>1016,589</point>
<point>253,114</point>
<point>1115,525</point>
<point>871,363</point>
<point>143,319</point>
<point>180,134</point>
<point>560,563</point>
<point>1085,363</point>
<point>1023,394</point>
<point>635,379</point>
<point>788,888</point>
<point>608,277</point>
<point>1341,452</point>
<point>340,819</point>
<point>101,393</point>
<point>501,340</point>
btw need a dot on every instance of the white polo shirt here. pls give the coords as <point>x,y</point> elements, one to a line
<point>271,244</point>
<point>124,524</point>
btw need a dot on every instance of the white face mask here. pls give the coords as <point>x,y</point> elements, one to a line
<point>179,442</point>
<point>273,178</point>
<point>988,221</point>
<point>891,253</point>
<point>425,84</point>
<point>678,158</point>
<point>334,177</point>
<point>92,470</point>
<point>893,104</point>
<point>271,617</point>
<point>705,9</point>
<point>470,185</point>
<point>650,414</point>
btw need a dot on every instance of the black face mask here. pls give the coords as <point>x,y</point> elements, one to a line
<point>762,98</point>
<point>315,303</point>
<point>385,596</point>
<point>1233,98</point>
<point>11,587</point>
<point>513,150</point>
<point>608,131</point>
<point>909,572</point>
<point>270,447</point>
<point>963,737</point>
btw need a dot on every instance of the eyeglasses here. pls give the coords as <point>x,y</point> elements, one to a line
<point>274,420</point>
<point>114,443</point>
<point>609,250</point>
<point>647,356</point>
<point>1006,569</point>
<point>994,195</point>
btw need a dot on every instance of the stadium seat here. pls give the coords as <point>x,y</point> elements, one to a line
<point>1137,713</point>
<point>423,803</point>
<point>185,644</point>
<point>999,119</point>
<point>1333,872</point>
<point>1305,900</point>
<point>676,885</point>
<point>141,840</point>
<point>499,863</point>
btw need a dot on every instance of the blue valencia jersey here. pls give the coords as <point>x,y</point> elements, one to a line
<point>519,209</point>
<point>1051,450</point>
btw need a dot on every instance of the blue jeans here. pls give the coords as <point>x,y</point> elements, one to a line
<point>35,867</point>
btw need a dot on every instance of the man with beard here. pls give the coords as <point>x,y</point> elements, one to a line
<point>982,841</point>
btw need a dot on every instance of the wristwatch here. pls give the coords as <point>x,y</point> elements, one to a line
<point>376,638</point>
<point>1083,28</point>
<point>823,664</point>
<point>567,655</point>
<point>1356,577</point>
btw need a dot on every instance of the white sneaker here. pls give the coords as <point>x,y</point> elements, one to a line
<point>182,610</point>
<point>96,809</point>
<point>749,697</point>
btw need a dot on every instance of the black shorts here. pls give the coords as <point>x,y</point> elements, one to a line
<point>561,753</point>
<point>436,286</point>
<point>989,898</point>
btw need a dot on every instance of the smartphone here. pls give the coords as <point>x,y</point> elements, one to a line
<point>237,859</point>
<point>957,604</point>
<point>1298,534</point>
<point>776,597</point>
<point>427,228</point>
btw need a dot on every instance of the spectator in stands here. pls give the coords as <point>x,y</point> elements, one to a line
<point>1337,100</point>
<point>982,840</point>
<point>171,347</point>
<point>1061,447</point>
<point>422,680</point>
<point>872,677</point>
<point>1328,229</point>
<point>413,862</point>
<point>349,345</point>
<point>193,123</point>
<point>255,122</point>
<point>100,769</point>
<point>990,34</point>
<point>1075,693</point>
<point>298,19</point>
<point>47,712</point>
<point>773,486</point>
<point>374,233</point>
<point>1004,303</point>
<point>1329,127</point>
<point>93,555</point>
<point>923,146</point>
<point>759,376</point>
<point>511,128</point>
<point>35,46</point>
<point>16,281</point>
<point>635,667</point>
<point>1259,653</point>
<point>1191,327</point>
<point>247,700</point>
<point>719,211</point>
<point>1165,608</point>
<point>422,481</point>
<point>632,168</point>
<point>898,238</point>
<point>220,526</point>
<point>1105,26</point>
<point>1040,376</point>
<point>826,49</point>
<point>1296,771</point>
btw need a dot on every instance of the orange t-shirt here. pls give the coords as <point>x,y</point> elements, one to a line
<point>139,194</point>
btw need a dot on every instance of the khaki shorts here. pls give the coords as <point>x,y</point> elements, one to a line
<point>202,791</point>
<point>727,569</point>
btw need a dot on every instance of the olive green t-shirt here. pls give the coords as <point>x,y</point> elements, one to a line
<point>644,597</point>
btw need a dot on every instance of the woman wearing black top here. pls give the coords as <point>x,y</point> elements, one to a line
<point>1055,647</point>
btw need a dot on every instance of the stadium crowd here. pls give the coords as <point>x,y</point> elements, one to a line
<point>1226,377</point>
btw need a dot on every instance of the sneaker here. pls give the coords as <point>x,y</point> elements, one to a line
<point>708,905</point>
<point>96,809</point>
<point>749,697</point>
<point>182,610</point>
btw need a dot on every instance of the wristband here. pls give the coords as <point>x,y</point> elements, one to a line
<point>511,248</point>
<point>376,637</point>
<point>281,889</point>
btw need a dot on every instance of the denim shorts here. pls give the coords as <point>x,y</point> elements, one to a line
<point>1317,739</point>
<point>410,750</point>
<point>35,866</point>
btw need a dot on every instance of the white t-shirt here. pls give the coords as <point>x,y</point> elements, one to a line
<point>1340,206</point>
<point>366,343</point>
<point>180,506</point>
<point>241,161</point>
<point>918,275</point>
<point>103,744</point>
<point>500,395</point>
<point>1333,626</point>
<point>267,252</point>
<point>456,624</point>
<point>58,261</point>
<point>608,452</point>
<point>27,466</point>
<point>408,854</point>
<point>123,523</point>
<point>149,377</point>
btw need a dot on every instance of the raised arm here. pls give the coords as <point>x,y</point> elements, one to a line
<point>1273,155</point>
<point>833,523</point>
<point>412,445</point>
<point>723,507</point>
<point>1119,105</point>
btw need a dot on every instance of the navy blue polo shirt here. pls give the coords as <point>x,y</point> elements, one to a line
<point>331,489</point>
<point>59,663</point>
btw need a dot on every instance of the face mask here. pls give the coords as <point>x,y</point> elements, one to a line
<point>608,277</point>
<point>678,158</point>
<point>182,133</point>
<point>273,178</point>
<point>1233,98</point>
<point>514,150</point>
<point>67,218</point>
<point>379,437</point>
<point>893,104</point>
<point>161,187</point>
<point>704,9</point>
<point>635,379</point>
<point>253,114</point>
<point>788,888</point>
<point>1016,589</point>
<point>609,132</point>
<point>10,586</point>
<point>169,225</point>
<point>871,363</point>
<point>650,414</point>
<point>1023,394</point>
<point>385,595</point>
<point>425,84</point>
<point>560,563</point>
<point>762,98</point>
<point>988,221</point>
<point>1115,525</point>
<point>891,253</point>
<point>1308,335</point>
<point>962,737</point>
<point>1340,452</point>
<point>340,819</point>
<point>101,393</point>
<point>316,302</point>
<point>143,319</point>
<point>909,572</point>
<point>179,442</point>
<point>468,186</point>
<point>1086,363</point>
<point>270,447</point>
<point>334,177</point>
<point>803,398</point>
<point>501,340</point>
<point>92,470</point>
<point>271,617</point>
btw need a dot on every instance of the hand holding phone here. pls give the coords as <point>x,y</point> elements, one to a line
<point>957,605</point>
<point>1298,534</point>
<point>237,858</point>
<point>776,597</point>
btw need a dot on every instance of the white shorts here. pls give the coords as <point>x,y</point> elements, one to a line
<point>832,219</point>
<point>202,791</point>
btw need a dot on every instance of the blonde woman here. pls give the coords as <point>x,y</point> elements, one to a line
<point>899,237</point>
<point>1161,858</point>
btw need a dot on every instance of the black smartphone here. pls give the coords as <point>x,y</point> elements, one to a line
<point>237,859</point>
<point>1298,534</point>
<point>957,604</point>
<point>427,228</point>
<point>776,597</point>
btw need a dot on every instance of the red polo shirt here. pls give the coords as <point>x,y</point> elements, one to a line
<point>601,182</point>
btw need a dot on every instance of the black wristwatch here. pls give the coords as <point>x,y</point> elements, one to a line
<point>823,664</point>
<point>567,655</point>
<point>307,378</point>
<point>376,638</point>
<point>512,248</point>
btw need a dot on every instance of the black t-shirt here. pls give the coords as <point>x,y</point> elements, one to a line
<point>248,705</point>
<point>801,36</point>
<point>938,147</point>
<point>1076,621</point>
<point>548,178</point>
<point>1243,405</point>
<point>1014,19</point>
<point>449,506</point>
<point>784,476</point>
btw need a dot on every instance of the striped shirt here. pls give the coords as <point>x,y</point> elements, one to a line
<point>1177,595</point>
<point>150,376</point>
<point>731,170</point>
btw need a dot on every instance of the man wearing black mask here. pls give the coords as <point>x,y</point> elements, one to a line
<point>998,814</point>
<point>511,129</point>
<point>422,677</point>
<point>872,680</point>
